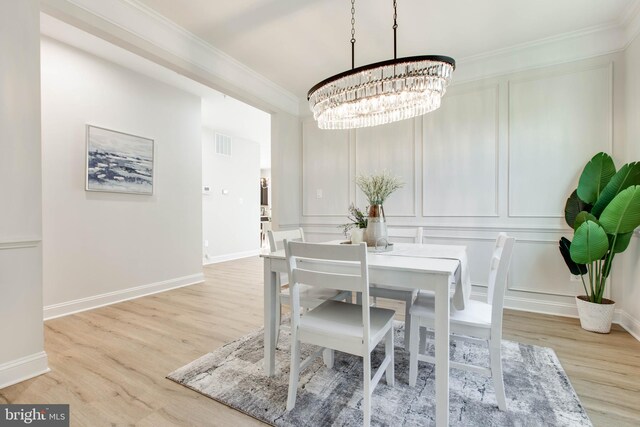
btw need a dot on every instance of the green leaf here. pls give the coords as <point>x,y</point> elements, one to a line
<point>595,176</point>
<point>583,217</point>
<point>622,214</point>
<point>573,207</point>
<point>590,243</point>
<point>622,242</point>
<point>627,176</point>
<point>565,247</point>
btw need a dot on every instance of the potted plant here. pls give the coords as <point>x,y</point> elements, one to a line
<point>357,224</point>
<point>377,188</point>
<point>603,211</point>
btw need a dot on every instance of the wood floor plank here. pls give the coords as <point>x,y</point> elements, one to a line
<point>110,364</point>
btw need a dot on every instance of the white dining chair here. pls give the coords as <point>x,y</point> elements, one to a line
<point>336,325</point>
<point>406,295</point>
<point>479,321</point>
<point>309,297</point>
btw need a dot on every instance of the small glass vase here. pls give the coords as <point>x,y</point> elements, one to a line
<point>376,232</point>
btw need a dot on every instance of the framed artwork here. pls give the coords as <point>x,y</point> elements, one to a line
<point>119,162</point>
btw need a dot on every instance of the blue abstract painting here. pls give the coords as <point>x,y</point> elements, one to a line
<point>119,162</point>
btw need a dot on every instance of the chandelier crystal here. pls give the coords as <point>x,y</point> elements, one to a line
<point>380,93</point>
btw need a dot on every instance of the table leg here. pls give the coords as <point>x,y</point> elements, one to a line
<point>442,353</point>
<point>270,295</point>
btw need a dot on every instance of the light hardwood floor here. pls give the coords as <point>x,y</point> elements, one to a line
<point>110,364</point>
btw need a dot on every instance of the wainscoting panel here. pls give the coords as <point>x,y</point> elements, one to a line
<point>501,154</point>
<point>537,267</point>
<point>391,148</point>
<point>460,154</point>
<point>325,171</point>
<point>557,122</point>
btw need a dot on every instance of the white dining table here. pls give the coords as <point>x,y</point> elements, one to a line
<point>419,272</point>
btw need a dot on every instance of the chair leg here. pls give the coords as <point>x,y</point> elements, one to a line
<point>294,373</point>
<point>366,401</point>
<point>388,351</point>
<point>413,353</point>
<point>279,317</point>
<point>328,357</point>
<point>422,348</point>
<point>496,373</point>
<point>407,323</point>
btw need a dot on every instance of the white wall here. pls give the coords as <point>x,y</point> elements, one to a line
<point>22,353</point>
<point>502,153</point>
<point>630,260</point>
<point>231,222</point>
<point>104,247</point>
<point>286,178</point>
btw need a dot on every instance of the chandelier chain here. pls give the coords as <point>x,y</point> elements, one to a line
<point>395,27</point>
<point>353,34</point>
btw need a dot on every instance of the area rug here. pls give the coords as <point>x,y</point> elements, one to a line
<point>537,388</point>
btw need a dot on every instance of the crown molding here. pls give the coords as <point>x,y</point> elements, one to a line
<point>568,47</point>
<point>140,29</point>
<point>631,23</point>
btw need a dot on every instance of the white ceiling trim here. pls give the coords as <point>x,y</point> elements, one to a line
<point>165,35</point>
<point>573,46</point>
<point>631,23</point>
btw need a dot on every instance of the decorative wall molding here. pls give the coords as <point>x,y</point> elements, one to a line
<point>489,91</point>
<point>83,304</point>
<point>22,369</point>
<point>416,143</point>
<point>466,228</point>
<point>142,30</point>
<point>230,257</point>
<point>341,161</point>
<point>549,73</point>
<point>19,243</point>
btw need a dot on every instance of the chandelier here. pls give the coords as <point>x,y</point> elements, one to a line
<point>383,92</point>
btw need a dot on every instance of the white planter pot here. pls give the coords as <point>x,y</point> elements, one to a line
<point>595,317</point>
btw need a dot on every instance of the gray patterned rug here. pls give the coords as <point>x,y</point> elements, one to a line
<point>538,390</point>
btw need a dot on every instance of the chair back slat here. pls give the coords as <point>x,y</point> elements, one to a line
<point>498,272</point>
<point>276,238</point>
<point>346,282</point>
<point>320,251</point>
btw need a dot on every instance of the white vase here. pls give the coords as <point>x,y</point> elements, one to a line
<point>357,236</point>
<point>376,233</point>
<point>595,317</point>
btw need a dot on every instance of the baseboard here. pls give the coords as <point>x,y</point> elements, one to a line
<point>231,257</point>
<point>620,316</point>
<point>630,324</point>
<point>23,369</point>
<point>83,304</point>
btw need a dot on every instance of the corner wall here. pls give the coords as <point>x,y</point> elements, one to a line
<point>630,260</point>
<point>22,353</point>
<point>101,248</point>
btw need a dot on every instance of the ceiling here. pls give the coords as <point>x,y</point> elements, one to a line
<point>296,43</point>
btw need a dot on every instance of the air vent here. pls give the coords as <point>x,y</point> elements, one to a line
<point>223,145</point>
